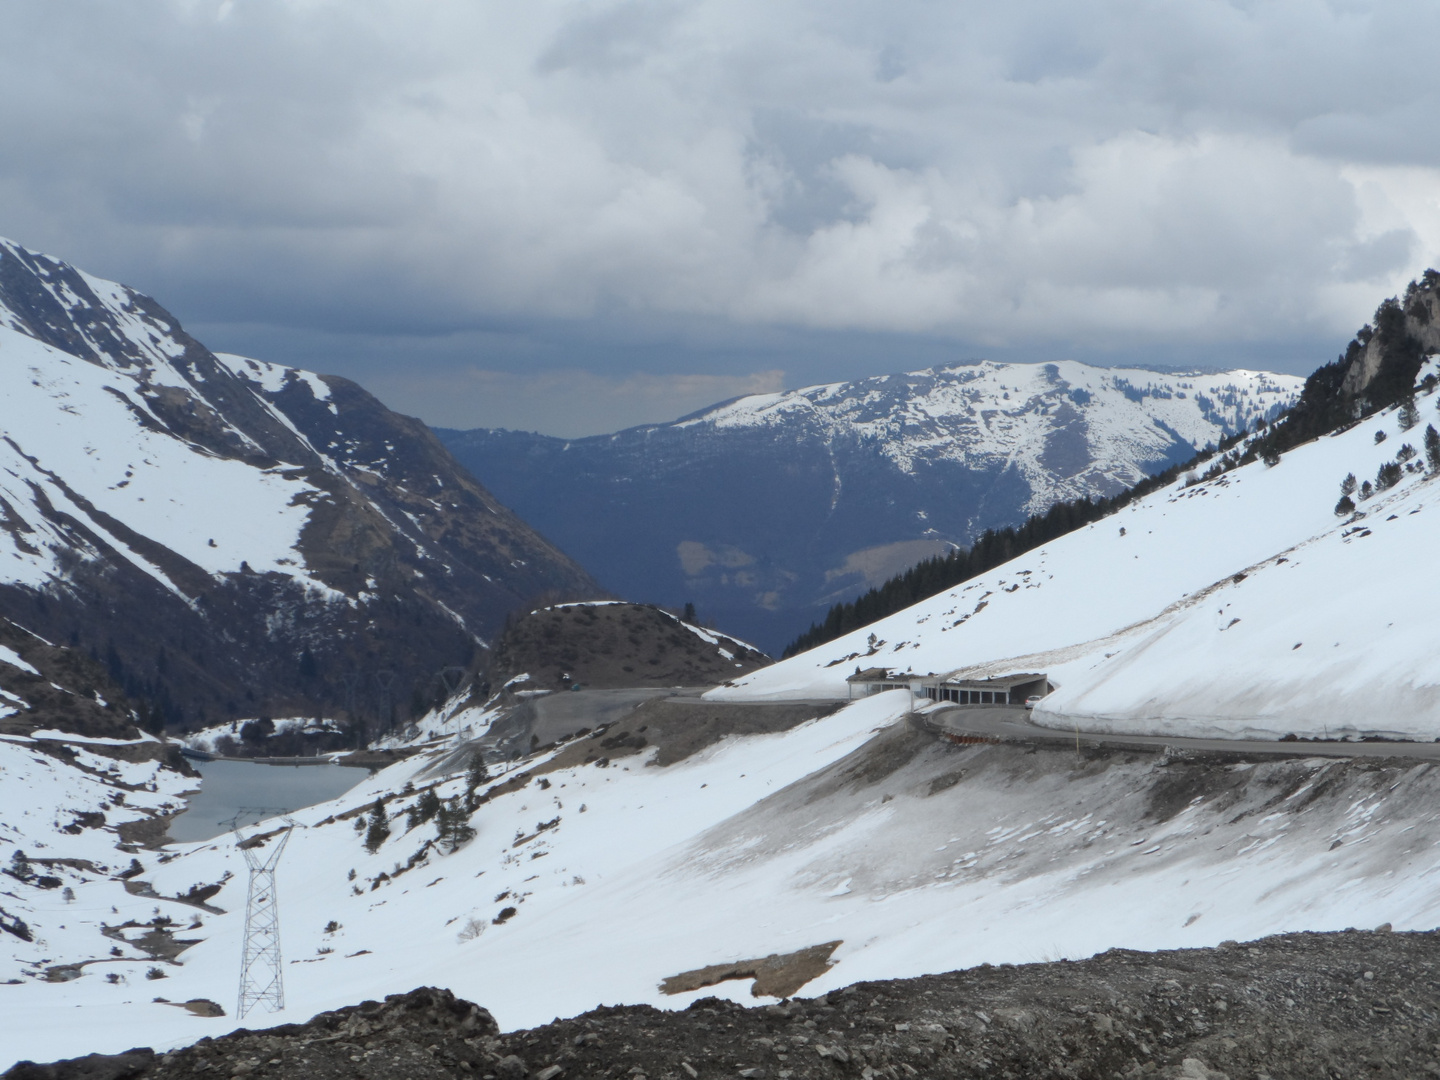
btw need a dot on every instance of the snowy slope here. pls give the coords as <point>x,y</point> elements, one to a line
<point>765,510</point>
<point>1067,428</point>
<point>916,855</point>
<point>1141,622</point>
<point>88,445</point>
<point>237,538</point>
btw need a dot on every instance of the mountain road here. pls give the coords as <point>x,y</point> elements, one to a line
<point>1013,724</point>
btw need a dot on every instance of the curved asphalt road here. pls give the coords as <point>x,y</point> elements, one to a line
<point>1012,724</point>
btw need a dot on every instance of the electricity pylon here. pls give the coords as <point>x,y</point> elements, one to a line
<point>262,979</point>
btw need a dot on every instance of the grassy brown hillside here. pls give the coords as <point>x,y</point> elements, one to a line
<point>612,645</point>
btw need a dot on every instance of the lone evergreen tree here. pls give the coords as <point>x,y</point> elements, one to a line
<point>476,775</point>
<point>423,809</point>
<point>1409,414</point>
<point>379,830</point>
<point>1347,486</point>
<point>453,826</point>
<point>1345,506</point>
<point>1432,447</point>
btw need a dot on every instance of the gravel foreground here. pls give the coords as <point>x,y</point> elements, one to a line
<point>1356,1003</point>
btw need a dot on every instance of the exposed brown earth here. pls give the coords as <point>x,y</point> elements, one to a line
<point>678,728</point>
<point>1296,1006</point>
<point>610,646</point>
<point>777,975</point>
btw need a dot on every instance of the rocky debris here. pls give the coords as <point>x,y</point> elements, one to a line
<point>777,975</point>
<point>1292,1006</point>
<point>198,1006</point>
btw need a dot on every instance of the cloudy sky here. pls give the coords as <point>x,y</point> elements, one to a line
<point>574,215</point>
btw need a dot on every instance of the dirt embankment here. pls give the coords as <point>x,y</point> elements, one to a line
<point>678,728</point>
<point>1297,1006</point>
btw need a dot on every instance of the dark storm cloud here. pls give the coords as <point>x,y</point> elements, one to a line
<point>443,191</point>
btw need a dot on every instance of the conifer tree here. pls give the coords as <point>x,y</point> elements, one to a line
<point>1409,414</point>
<point>476,775</point>
<point>1432,447</point>
<point>379,830</point>
<point>423,809</point>
<point>453,826</point>
<point>1347,486</point>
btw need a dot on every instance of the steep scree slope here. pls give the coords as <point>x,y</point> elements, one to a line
<point>233,538</point>
<point>766,509</point>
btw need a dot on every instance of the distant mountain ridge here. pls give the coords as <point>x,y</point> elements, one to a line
<point>766,509</point>
<point>230,537</point>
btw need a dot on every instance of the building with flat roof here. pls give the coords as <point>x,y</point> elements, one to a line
<point>1010,689</point>
<point>876,680</point>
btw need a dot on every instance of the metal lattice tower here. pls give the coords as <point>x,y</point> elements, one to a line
<point>261,974</point>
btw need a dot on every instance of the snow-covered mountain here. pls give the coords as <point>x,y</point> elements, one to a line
<point>624,857</point>
<point>1238,605</point>
<point>231,537</point>
<point>766,509</point>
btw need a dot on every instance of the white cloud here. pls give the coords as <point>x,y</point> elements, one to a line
<point>1101,174</point>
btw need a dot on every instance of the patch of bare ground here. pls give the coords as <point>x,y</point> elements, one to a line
<point>1296,1006</point>
<point>778,975</point>
<point>678,728</point>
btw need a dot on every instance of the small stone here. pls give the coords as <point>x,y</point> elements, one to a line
<point>1383,928</point>
<point>511,1067</point>
<point>752,1074</point>
<point>1195,1069</point>
<point>690,1070</point>
<point>549,1072</point>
